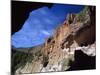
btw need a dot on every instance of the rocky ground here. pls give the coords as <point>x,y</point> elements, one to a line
<point>76,33</point>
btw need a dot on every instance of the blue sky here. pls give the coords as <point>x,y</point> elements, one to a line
<point>41,23</point>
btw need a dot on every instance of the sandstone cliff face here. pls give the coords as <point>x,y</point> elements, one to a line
<point>76,33</point>
<point>70,36</point>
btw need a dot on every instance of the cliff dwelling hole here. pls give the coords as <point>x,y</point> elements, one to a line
<point>49,40</point>
<point>45,61</point>
<point>45,64</point>
<point>70,21</point>
<point>53,41</point>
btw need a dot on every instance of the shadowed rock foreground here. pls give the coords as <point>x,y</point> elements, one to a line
<point>58,53</point>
